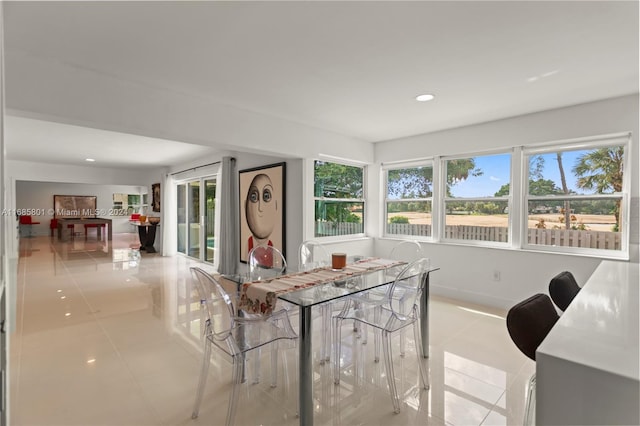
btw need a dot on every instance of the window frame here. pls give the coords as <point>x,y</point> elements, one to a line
<point>590,143</point>
<point>329,238</point>
<point>508,198</point>
<point>427,162</point>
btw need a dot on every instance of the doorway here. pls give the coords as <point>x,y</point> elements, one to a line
<point>196,218</point>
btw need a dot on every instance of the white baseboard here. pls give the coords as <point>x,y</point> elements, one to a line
<point>472,297</point>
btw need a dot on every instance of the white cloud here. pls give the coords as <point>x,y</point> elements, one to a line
<point>493,178</point>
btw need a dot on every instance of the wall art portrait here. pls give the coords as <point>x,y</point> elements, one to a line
<point>262,208</point>
<point>155,197</point>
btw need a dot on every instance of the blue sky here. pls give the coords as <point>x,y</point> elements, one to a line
<point>497,168</point>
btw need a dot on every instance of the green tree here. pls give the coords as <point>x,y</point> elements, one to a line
<point>460,170</point>
<point>537,184</point>
<point>399,219</point>
<point>536,187</point>
<point>565,189</point>
<point>334,180</point>
<point>337,181</point>
<point>536,167</point>
<point>417,182</point>
<point>602,170</point>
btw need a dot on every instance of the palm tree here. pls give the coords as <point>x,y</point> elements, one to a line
<point>565,189</point>
<point>602,170</point>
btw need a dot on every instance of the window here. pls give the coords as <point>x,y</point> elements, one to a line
<point>339,199</point>
<point>128,203</point>
<point>570,197</point>
<point>575,197</point>
<point>408,201</point>
<point>476,198</point>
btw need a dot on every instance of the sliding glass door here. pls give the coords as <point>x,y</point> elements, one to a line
<point>181,190</point>
<point>196,218</point>
<point>193,219</point>
<point>209,191</point>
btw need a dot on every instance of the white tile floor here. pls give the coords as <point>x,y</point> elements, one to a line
<point>106,337</point>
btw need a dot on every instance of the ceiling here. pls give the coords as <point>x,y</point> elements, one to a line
<point>48,142</point>
<point>352,68</point>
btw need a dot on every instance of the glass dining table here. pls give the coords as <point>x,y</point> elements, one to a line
<point>333,289</point>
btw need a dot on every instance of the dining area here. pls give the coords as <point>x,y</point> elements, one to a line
<point>384,295</point>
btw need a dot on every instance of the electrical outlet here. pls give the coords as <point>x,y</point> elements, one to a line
<point>496,275</point>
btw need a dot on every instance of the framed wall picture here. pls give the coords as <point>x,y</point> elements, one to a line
<point>75,206</point>
<point>155,197</point>
<point>262,207</point>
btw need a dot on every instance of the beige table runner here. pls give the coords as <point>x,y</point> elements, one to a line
<point>261,296</point>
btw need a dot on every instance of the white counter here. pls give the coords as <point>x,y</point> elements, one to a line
<point>587,369</point>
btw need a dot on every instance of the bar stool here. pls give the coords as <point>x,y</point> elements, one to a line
<point>562,289</point>
<point>528,323</point>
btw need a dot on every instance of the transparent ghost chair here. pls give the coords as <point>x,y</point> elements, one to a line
<point>235,336</point>
<point>266,262</point>
<point>391,317</point>
<point>406,251</point>
<point>312,255</point>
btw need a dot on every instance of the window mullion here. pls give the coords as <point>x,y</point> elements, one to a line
<point>437,207</point>
<point>516,189</point>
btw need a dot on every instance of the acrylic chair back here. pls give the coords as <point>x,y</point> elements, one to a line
<point>266,262</point>
<point>218,311</point>
<point>403,303</point>
<point>312,255</point>
<point>407,250</point>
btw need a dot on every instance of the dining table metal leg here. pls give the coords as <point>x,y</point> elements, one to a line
<point>306,367</point>
<point>424,318</point>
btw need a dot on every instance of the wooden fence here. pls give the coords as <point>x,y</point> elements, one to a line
<point>327,229</point>
<point>550,237</point>
<point>572,238</point>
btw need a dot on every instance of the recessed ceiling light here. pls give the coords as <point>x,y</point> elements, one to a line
<point>424,98</point>
<point>91,160</point>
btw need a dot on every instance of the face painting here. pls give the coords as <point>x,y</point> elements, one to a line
<point>261,207</point>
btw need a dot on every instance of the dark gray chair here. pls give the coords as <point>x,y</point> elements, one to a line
<point>562,289</point>
<point>528,323</point>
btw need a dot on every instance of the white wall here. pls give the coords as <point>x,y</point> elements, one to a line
<point>467,272</point>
